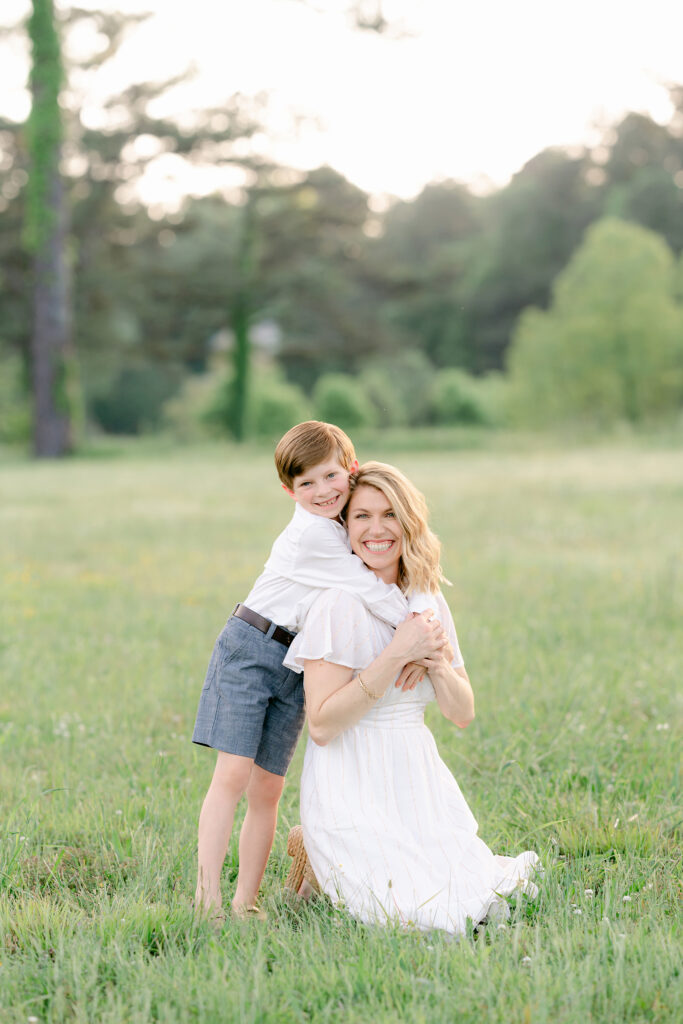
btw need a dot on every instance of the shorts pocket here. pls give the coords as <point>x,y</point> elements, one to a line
<point>231,642</point>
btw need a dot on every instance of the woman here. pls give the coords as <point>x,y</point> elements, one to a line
<point>385,826</point>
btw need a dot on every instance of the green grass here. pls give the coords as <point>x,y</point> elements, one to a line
<point>116,576</point>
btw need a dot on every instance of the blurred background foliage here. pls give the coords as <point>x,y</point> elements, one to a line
<point>558,298</point>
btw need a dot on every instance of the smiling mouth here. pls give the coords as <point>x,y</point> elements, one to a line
<point>378,547</point>
<point>329,503</point>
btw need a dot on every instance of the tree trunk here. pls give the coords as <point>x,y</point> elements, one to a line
<point>45,234</point>
<point>241,314</point>
<point>51,339</point>
<point>240,380</point>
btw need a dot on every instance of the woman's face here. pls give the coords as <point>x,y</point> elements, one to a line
<point>374,532</point>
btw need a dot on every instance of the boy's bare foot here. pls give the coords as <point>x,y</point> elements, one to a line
<point>249,913</point>
<point>211,912</point>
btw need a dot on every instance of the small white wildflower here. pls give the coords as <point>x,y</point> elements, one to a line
<point>118,811</point>
<point>526,959</point>
<point>32,1020</point>
<point>662,726</point>
<point>588,892</point>
<point>502,927</point>
<point>616,823</point>
<point>626,899</point>
<point>650,885</point>
<point>161,753</point>
<point>577,910</point>
<point>634,817</point>
<point>622,935</point>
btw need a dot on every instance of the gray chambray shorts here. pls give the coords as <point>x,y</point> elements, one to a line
<point>250,703</point>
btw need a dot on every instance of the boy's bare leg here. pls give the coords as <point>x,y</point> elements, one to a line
<point>230,780</point>
<point>258,831</point>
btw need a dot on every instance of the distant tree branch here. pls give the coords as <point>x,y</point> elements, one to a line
<point>366,16</point>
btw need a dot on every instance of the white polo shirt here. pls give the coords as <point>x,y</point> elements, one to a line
<point>313,554</point>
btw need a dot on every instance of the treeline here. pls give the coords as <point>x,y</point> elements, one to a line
<point>452,307</point>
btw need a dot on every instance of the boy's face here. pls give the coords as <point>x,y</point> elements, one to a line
<point>323,489</point>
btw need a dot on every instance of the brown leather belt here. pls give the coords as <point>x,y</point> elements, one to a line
<point>283,636</point>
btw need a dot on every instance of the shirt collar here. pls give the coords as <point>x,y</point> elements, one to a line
<point>304,516</point>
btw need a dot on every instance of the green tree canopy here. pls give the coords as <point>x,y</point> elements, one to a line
<point>611,345</point>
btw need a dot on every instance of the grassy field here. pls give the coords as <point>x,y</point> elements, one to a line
<point>117,575</point>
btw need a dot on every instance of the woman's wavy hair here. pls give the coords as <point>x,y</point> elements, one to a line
<point>419,567</point>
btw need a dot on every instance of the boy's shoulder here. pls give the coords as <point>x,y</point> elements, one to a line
<point>305,523</point>
<point>304,538</point>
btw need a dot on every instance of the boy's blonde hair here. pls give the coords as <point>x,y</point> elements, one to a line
<point>307,445</point>
<point>419,567</point>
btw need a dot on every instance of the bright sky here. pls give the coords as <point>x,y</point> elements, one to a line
<point>477,89</point>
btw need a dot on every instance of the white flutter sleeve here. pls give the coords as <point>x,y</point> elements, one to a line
<point>340,629</point>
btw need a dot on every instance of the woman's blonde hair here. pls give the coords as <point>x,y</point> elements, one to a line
<point>419,567</point>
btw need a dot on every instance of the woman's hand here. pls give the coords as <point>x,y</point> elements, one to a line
<point>419,637</point>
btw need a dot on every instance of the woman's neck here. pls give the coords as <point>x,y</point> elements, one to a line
<point>388,575</point>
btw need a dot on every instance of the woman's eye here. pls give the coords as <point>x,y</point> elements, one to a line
<point>391,515</point>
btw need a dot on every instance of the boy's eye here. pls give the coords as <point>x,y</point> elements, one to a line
<point>331,475</point>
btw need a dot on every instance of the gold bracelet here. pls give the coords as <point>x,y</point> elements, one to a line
<point>368,693</point>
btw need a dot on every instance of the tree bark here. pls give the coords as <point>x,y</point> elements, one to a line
<point>46,228</point>
<point>51,339</point>
<point>240,381</point>
<point>241,316</point>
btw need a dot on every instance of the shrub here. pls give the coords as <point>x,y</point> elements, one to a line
<point>15,406</point>
<point>134,401</point>
<point>458,398</point>
<point>340,399</point>
<point>274,404</point>
<point>399,388</point>
<point>186,415</point>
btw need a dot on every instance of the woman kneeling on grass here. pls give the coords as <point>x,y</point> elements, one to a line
<point>385,826</point>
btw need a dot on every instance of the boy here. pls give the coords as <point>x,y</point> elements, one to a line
<point>251,709</point>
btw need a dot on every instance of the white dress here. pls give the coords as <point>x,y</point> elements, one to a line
<point>386,827</point>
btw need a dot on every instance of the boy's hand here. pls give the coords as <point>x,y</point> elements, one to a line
<point>410,676</point>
